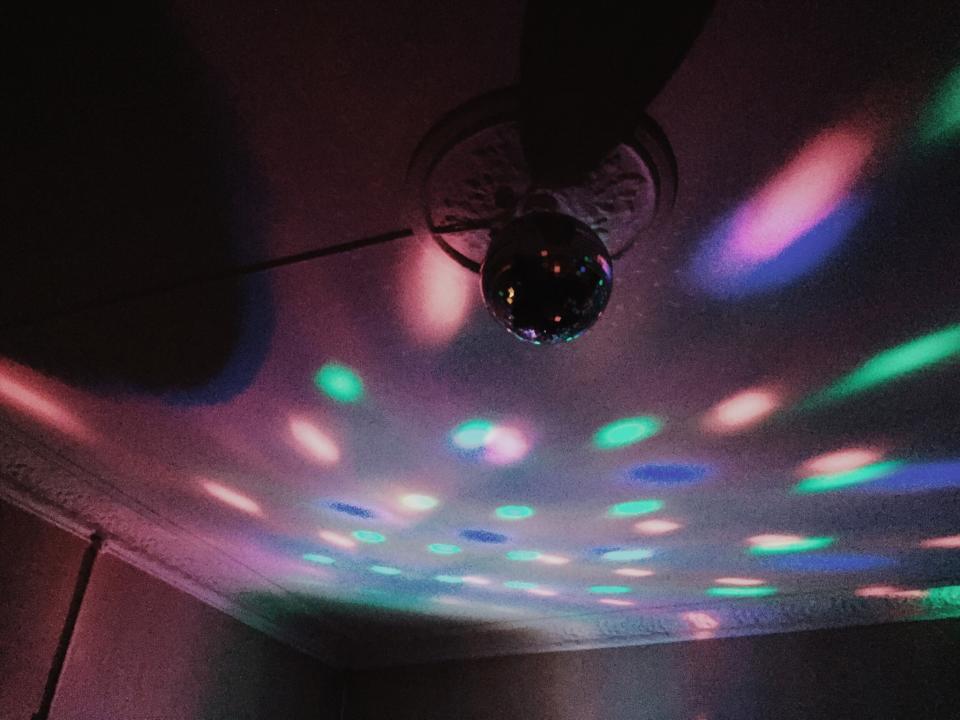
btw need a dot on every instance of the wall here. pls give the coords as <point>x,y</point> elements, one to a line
<point>38,570</point>
<point>141,649</point>
<point>901,672</point>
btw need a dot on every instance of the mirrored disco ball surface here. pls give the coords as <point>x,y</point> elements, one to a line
<point>547,277</point>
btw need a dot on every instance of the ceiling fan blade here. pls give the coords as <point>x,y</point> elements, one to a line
<point>588,70</point>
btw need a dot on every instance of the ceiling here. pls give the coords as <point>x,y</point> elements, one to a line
<point>350,453</point>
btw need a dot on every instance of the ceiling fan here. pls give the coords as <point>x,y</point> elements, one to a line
<point>577,170</point>
<point>540,187</point>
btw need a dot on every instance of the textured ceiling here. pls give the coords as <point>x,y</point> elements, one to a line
<point>351,452</point>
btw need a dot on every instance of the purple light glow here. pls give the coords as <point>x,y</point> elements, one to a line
<point>505,446</point>
<point>808,205</point>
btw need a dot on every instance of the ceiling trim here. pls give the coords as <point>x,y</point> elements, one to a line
<point>39,480</point>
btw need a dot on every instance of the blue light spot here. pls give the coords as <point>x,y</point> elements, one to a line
<point>604,549</point>
<point>801,257</point>
<point>483,536</point>
<point>828,562</point>
<point>669,473</point>
<point>352,510</point>
<point>919,477</point>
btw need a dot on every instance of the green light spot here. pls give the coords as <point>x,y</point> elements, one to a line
<point>523,555</point>
<point>627,431</point>
<point>944,598</point>
<point>472,435</point>
<point>742,592</point>
<point>369,536</point>
<point>318,559</point>
<point>385,570</point>
<point>443,549</point>
<point>513,512</point>
<point>610,589</point>
<point>520,585</point>
<point>340,383</point>
<point>840,480</point>
<point>941,119</point>
<point>814,543</point>
<point>894,363</point>
<point>628,555</point>
<point>449,579</point>
<point>634,508</point>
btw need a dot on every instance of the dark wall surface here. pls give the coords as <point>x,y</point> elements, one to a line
<point>900,672</point>
<point>141,649</point>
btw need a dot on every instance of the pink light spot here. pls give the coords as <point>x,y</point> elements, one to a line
<point>475,580</point>
<point>774,541</point>
<point>634,572</point>
<point>656,527</point>
<point>554,559</point>
<point>701,620</point>
<point>799,196</point>
<point>337,539</point>
<point>505,446</point>
<point>232,498</point>
<point>543,592</point>
<point>742,411</point>
<point>739,581</point>
<point>617,603</point>
<point>40,407</point>
<point>839,461</point>
<point>436,296</point>
<point>951,542</point>
<point>317,444</point>
<point>888,591</point>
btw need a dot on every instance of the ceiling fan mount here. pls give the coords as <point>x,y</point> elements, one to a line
<point>545,247</point>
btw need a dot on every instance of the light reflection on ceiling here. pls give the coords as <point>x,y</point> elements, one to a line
<point>783,544</point>
<point>742,411</point>
<point>437,298</point>
<point>657,527</point>
<point>941,118</point>
<point>701,620</point>
<point>887,591</point>
<point>39,406</point>
<point>794,221</point>
<point>337,539</point>
<point>314,442</point>
<point>767,411</point>
<point>906,359</point>
<point>738,581</point>
<point>634,572</point>
<point>231,497</point>
<point>839,461</point>
<point>951,542</point>
<point>742,592</point>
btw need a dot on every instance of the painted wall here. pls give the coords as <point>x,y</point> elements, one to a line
<point>141,649</point>
<point>38,569</point>
<point>901,672</point>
